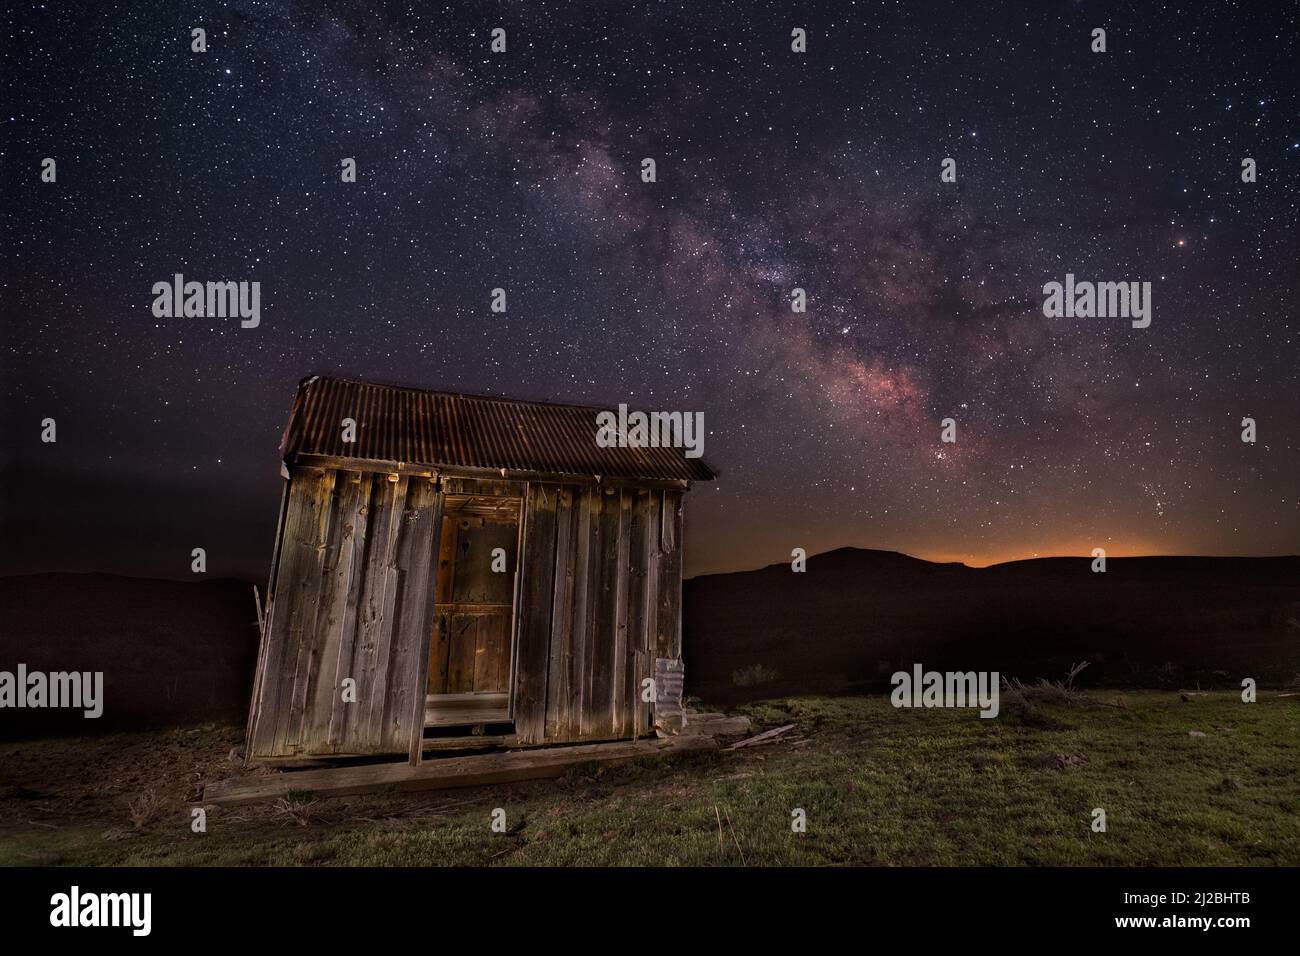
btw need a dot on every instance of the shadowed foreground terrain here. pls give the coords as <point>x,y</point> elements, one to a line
<point>879,786</point>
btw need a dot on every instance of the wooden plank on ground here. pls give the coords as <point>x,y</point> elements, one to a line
<point>766,737</point>
<point>472,771</point>
<point>716,725</point>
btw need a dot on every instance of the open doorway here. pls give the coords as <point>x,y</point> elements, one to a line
<point>472,650</point>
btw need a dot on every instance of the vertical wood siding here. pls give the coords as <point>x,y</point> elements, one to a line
<point>353,599</point>
<point>599,601</point>
<point>614,606</point>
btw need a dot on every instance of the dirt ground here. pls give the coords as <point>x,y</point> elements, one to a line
<point>124,777</point>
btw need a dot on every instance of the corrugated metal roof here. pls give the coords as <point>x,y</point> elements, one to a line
<point>441,429</point>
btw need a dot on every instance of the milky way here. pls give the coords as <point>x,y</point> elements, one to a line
<point>776,170</point>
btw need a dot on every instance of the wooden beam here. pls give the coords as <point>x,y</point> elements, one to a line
<point>473,771</point>
<point>379,466</point>
<point>716,725</point>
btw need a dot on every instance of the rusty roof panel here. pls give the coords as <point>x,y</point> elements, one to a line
<point>442,429</point>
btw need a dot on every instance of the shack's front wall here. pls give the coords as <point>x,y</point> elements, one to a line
<point>351,597</point>
<point>599,600</point>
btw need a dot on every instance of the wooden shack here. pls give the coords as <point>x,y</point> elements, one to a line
<point>450,566</point>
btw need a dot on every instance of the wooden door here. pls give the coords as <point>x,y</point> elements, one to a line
<point>471,652</point>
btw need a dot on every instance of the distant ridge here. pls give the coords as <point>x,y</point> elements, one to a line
<point>855,615</point>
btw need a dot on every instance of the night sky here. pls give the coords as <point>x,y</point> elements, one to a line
<point>775,170</point>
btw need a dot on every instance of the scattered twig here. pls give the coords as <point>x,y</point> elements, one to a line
<point>734,838</point>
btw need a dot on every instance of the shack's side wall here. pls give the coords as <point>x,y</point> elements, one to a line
<point>353,598</point>
<point>600,600</point>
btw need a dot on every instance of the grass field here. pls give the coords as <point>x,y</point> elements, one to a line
<point>879,787</point>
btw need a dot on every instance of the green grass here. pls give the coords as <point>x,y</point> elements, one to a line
<point>879,786</point>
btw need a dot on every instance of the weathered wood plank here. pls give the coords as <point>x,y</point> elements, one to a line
<point>297,584</point>
<point>638,563</point>
<point>716,725</point>
<point>374,620</point>
<point>491,661</point>
<point>445,710</point>
<point>439,745</point>
<point>280,609</point>
<point>451,772</point>
<point>593,650</point>
<point>480,486</point>
<point>599,717</point>
<point>654,569</point>
<point>767,736</point>
<point>311,635</point>
<point>417,565</point>
<point>378,703</point>
<point>621,659</point>
<point>446,561</point>
<point>558,690</point>
<point>339,586</point>
<point>536,593</point>
<point>460,661</point>
<point>348,627</point>
<point>584,503</point>
<point>440,653</point>
<point>259,671</point>
<point>669,623</point>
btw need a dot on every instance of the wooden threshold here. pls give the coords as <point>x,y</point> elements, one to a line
<point>460,710</point>
<point>445,773</point>
<point>435,745</point>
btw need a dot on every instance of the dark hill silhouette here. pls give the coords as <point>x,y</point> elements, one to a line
<point>855,616</point>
